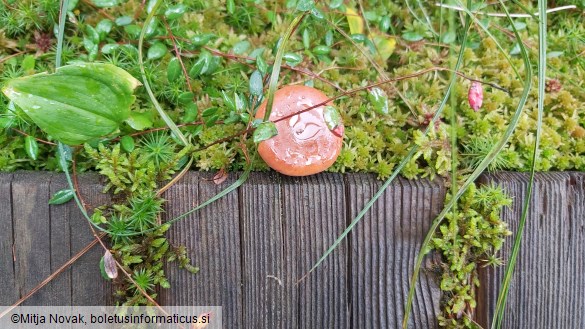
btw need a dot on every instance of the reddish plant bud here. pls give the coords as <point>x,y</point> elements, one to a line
<point>475,95</point>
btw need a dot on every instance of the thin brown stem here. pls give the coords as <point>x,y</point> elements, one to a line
<point>37,139</point>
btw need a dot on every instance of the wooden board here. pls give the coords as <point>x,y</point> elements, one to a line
<point>548,286</point>
<point>212,239</point>
<point>384,245</point>
<point>8,291</point>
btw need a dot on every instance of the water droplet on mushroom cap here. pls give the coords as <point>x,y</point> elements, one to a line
<point>304,145</point>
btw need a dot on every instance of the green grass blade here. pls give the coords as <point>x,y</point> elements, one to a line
<point>480,168</point>
<point>542,49</point>
<point>60,37</point>
<point>277,62</point>
<point>156,104</point>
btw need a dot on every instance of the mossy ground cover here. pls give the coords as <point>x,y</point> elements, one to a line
<point>200,55</point>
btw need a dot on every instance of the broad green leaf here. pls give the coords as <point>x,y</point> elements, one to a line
<point>321,50</point>
<point>265,130</point>
<point>231,7</point>
<point>32,147</point>
<point>123,20</point>
<point>157,50</point>
<point>62,196</point>
<point>228,101</point>
<point>139,121</point>
<point>241,47</point>
<point>385,23</point>
<point>127,143</point>
<point>78,102</point>
<point>28,63</point>
<point>256,84</point>
<point>355,21</point>
<point>379,100</point>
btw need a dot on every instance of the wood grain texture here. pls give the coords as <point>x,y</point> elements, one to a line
<point>313,217</point>
<point>384,245</point>
<point>548,286</point>
<point>212,239</point>
<point>265,294</point>
<point>8,293</point>
<point>32,238</point>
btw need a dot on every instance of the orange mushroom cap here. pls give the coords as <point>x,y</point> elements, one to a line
<point>304,144</point>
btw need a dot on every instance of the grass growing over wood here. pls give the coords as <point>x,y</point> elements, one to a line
<point>388,64</point>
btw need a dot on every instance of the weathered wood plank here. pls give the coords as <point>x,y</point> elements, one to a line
<point>313,216</point>
<point>212,239</point>
<point>384,245</point>
<point>8,291</point>
<point>265,305</point>
<point>547,288</point>
<point>31,223</point>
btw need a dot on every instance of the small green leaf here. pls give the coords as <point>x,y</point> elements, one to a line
<point>186,98</point>
<point>103,270</point>
<point>176,11</point>
<point>123,20</point>
<point>316,13</point>
<point>191,113</point>
<point>305,5</point>
<point>127,143</point>
<point>106,3</point>
<point>157,50</point>
<point>201,39</point>
<point>384,24</point>
<point>201,65</point>
<point>103,28</point>
<point>448,37</point>
<point>306,38</point>
<point>32,147</point>
<point>78,102</point>
<point>321,50</point>
<point>240,103</point>
<point>62,196</point>
<point>331,117</point>
<point>329,38</point>
<point>28,63</point>
<point>256,84</point>
<point>210,112</point>
<point>139,121</point>
<point>261,65</point>
<point>334,4</point>
<point>133,31</point>
<point>264,131</point>
<point>228,101</point>
<point>241,47</point>
<point>412,36</point>
<point>174,69</point>
<point>379,100</point>
<point>292,59</point>
<point>110,48</point>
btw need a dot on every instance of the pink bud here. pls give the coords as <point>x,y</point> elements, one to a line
<point>475,95</point>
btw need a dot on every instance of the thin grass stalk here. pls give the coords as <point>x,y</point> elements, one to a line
<point>542,49</point>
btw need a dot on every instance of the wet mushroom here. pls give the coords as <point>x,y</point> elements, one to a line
<point>307,143</point>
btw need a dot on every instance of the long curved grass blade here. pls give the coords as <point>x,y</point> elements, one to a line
<point>474,175</point>
<point>156,104</point>
<point>277,62</point>
<point>60,37</point>
<point>503,296</point>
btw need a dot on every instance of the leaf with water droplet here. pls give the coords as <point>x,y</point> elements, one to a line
<point>264,131</point>
<point>78,102</point>
<point>157,50</point>
<point>305,5</point>
<point>292,59</point>
<point>379,100</point>
<point>62,196</point>
<point>103,28</point>
<point>256,84</point>
<point>331,117</point>
<point>176,11</point>
<point>32,147</point>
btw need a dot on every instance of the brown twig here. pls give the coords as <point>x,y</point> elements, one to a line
<point>37,139</point>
